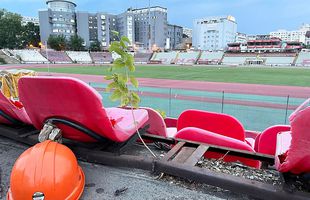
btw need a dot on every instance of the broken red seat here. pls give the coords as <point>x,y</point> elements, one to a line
<point>207,137</point>
<point>266,142</point>
<point>292,151</point>
<point>221,124</point>
<point>204,127</point>
<point>13,112</point>
<point>72,100</point>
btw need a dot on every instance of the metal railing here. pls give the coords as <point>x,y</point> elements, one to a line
<point>255,112</point>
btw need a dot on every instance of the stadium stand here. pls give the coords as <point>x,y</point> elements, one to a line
<point>234,60</point>
<point>142,58</point>
<point>303,59</point>
<point>165,57</point>
<point>187,58</point>
<point>8,57</point>
<point>276,61</point>
<point>79,56</point>
<point>210,57</point>
<point>57,57</point>
<point>101,57</point>
<point>29,56</point>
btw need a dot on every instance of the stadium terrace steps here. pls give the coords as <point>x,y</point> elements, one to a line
<point>29,56</point>
<point>101,57</point>
<point>303,59</point>
<point>279,60</point>
<point>143,58</point>
<point>57,57</point>
<point>235,60</point>
<point>210,57</point>
<point>82,57</point>
<point>187,58</point>
<point>7,58</point>
<point>165,57</point>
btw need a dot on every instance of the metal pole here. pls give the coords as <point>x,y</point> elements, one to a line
<point>222,109</point>
<point>149,35</point>
<point>170,101</point>
<point>48,63</point>
<point>286,112</point>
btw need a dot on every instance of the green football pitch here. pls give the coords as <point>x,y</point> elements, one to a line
<point>252,75</point>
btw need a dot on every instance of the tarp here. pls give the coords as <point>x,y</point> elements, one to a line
<point>9,80</point>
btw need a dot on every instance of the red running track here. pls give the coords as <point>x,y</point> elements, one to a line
<point>239,88</point>
<point>267,90</point>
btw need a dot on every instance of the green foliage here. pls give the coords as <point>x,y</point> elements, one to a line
<point>120,81</point>
<point>94,46</point>
<point>10,30</point>
<point>30,35</point>
<point>57,42</point>
<point>76,43</point>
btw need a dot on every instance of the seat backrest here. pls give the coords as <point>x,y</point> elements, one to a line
<point>8,108</point>
<point>297,159</point>
<point>65,98</point>
<point>214,122</point>
<point>156,122</point>
<point>268,139</point>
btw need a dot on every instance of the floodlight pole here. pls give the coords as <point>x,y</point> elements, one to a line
<point>48,63</point>
<point>149,35</point>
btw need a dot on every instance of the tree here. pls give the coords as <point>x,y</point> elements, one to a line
<point>30,35</point>
<point>10,29</point>
<point>57,42</point>
<point>94,46</point>
<point>76,43</point>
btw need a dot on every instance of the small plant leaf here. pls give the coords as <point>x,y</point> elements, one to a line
<point>111,86</point>
<point>108,78</point>
<point>125,39</point>
<point>122,43</point>
<point>115,32</point>
<point>118,63</point>
<point>130,63</point>
<point>117,94</point>
<point>117,48</point>
<point>134,82</point>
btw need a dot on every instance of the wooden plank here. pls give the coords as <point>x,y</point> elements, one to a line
<point>196,156</point>
<point>235,152</point>
<point>173,151</point>
<point>214,148</point>
<point>184,154</point>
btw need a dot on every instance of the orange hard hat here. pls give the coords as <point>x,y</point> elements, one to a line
<point>46,171</point>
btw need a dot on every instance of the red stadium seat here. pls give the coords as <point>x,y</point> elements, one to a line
<point>71,99</point>
<point>266,143</point>
<point>205,127</point>
<point>293,152</point>
<point>14,110</point>
<point>221,124</point>
<point>204,136</point>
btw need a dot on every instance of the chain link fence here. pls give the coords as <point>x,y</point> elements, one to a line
<point>255,112</point>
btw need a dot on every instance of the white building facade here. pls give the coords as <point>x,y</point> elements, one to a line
<point>292,36</point>
<point>34,20</point>
<point>214,33</point>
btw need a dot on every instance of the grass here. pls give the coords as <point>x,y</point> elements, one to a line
<point>252,75</point>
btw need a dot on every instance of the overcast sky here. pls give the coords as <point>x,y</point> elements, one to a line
<point>252,16</point>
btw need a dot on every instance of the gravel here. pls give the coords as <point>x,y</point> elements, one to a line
<point>237,169</point>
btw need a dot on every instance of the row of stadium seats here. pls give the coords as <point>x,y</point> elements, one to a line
<point>58,57</point>
<point>173,57</point>
<point>79,56</point>
<point>101,57</point>
<point>29,56</point>
<point>211,57</point>
<point>303,59</point>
